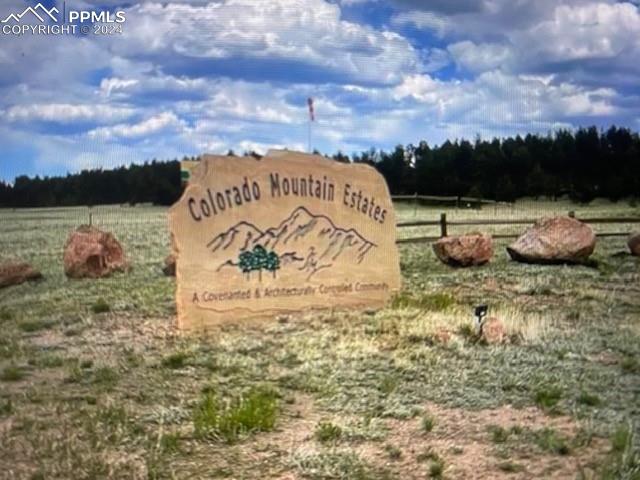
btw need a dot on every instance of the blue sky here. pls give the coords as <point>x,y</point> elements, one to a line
<point>205,76</point>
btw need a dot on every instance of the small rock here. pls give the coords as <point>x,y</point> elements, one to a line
<point>554,240</point>
<point>464,250</point>
<point>634,244</point>
<point>92,253</point>
<point>493,331</point>
<point>442,336</point>
<point>169,268</point>
<point>15,273</point>
<point>491,284</point>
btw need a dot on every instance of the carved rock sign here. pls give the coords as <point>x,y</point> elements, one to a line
<point>288,233</point>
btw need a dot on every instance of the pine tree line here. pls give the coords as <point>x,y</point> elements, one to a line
<point>583,164</point>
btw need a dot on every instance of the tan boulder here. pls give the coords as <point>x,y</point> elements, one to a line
<point>554,240</point>
<point>634,244</point>
<point>493,331</point>
<point>15,273</point>
<point>92,253</point>
<point>464,250</point>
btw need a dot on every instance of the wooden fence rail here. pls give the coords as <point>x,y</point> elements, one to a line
<point>444,224</point>
<point>456,199</point>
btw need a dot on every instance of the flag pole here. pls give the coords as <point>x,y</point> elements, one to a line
<point>311,119</point>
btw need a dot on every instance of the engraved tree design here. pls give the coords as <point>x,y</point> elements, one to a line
<point>245,263</point>
<point>273,263</point>
<point>257,260</point>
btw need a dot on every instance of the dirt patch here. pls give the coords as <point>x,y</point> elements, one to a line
<point>463,439</point>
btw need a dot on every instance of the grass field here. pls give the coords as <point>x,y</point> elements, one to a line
<point>95,382</point>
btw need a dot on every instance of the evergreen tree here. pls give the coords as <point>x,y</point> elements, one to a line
<point>584,164</point>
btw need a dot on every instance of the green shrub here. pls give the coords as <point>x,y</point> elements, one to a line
<point>427,455</point>
<point>87,363</point>
<point>6,407</point>
<point>589,399</point>
<point>394,452</point>
<point>624,459</point>
<point>498,434</point>
<point>176,360</point>
<point>254,412</point>
<point>551,441</point>
<point>630,365</point>
<point>47,361</point>
<point>467,332</point>
<point>112,415</point>
<point>326,432</point>
<point>110,423</point>
<point>170,442</point>
<point>428,422</point>
<point>436,302</point>
<point>106,376</point>
<point>29,326</point>
<point>621,439</point>
<point>5,314</point>
<point>100,306</point>
<point>12,373</point>
<point>388,384</point>
<point>547,398</point>
<point>436,468</point>
<point>511,467</point>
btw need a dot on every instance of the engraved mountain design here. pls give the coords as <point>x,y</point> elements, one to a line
<point>303,240</point>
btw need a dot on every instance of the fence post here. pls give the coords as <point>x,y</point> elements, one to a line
<point>415,204</point>
<point>90,218</point>
<point>443,225</point>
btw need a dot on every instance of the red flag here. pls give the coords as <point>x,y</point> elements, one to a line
<point>311,114</point>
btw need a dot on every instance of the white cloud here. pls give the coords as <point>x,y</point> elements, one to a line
<point>152,125</point>
<point>480,58</point>
<point>500,99</point>
<point>306,31</point>
<point>263,147</point>
<point>587,44</point>
<point>109,85</point>
<point>247,107</point>
<point>578,32</point>
<point>435,59</point>
<point>147,83</point>
<point>234,101</point>
<point>67,113</point>
<point>438,23</point>
<point>241,101</point>
<point>479,19</point>
<point>212,145</point>
<point>526,37</point>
